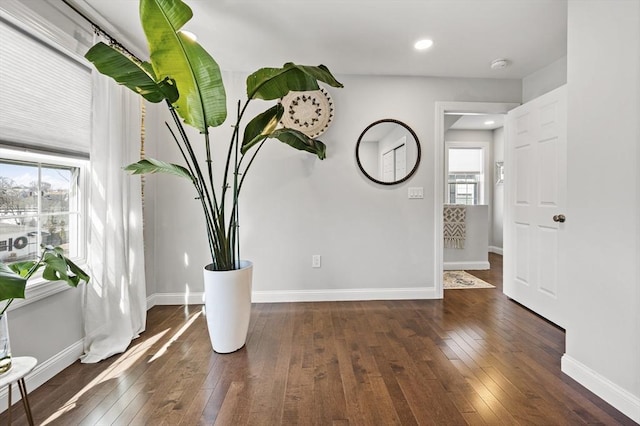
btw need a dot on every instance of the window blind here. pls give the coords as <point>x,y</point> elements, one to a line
<point>465,160</point>
<point>45,95</point>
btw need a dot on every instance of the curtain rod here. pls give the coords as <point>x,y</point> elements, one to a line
<point>112,40</point>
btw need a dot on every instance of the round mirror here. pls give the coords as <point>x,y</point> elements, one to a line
<point>388,152</point>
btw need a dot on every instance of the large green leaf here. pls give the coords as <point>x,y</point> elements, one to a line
<point>55,268</point>
<point>23,268</point>
<point>261,126</point>
<point>135,76</point>
<point>274,83</point>
<point>202,102</point>
<point>12,285</point>
<point>299,140</point>
<point>58,268</point>
<point>320,73</point>
<point>14,276</point>
<point>80,275</point>
<point>150,165</point>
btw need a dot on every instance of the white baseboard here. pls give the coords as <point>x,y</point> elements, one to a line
<point>177,299</point>
<point>344,295</point>
<point>621,399</point>
<point>496,250</point>
<point>305,296</point>
<point>44,371</point>
<point>151,301</point>
<point>466,266</point>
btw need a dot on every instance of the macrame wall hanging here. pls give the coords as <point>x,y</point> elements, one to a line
<point>309,112</point>
<point>454,221</point>
<point>143,112</point>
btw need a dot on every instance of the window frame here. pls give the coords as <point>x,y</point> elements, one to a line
<point>475,183</point>
<point>484,186</point>
<point>37,287</point>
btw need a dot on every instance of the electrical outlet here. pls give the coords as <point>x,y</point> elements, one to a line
<point>316,261</point>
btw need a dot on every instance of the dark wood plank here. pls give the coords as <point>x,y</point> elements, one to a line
<point>473,358</point>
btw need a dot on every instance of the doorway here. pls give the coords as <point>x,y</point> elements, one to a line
<point>446,114</point>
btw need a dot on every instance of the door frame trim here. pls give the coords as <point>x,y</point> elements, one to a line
<point>440,109</point>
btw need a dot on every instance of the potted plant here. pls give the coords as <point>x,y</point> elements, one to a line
<point>183,74</point>
<point>13,281</point>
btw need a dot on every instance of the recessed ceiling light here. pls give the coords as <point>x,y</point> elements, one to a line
<point>190,35</point>
<point>489,122</point>
<point>423,44</point>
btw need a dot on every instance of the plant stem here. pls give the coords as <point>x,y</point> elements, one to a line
<point>209,203</point>
<point>198,185</point>
<point>235,141</point>
<point>234,214</point>
<point>233,137</point>
<point>192,154</point>
<point>253,157</point>
<point>244,174</point>
<point>6,307</point>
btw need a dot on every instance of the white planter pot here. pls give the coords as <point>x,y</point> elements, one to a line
<point>227,301</point>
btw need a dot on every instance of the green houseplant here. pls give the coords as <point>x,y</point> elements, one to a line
<point>183,74</point>
<point>13,281</point>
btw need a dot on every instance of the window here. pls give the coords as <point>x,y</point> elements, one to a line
<point>464,188</point>
<point>465,175</point>
<point>45,134</point>
<point>50,93</point>
<point>40,203</point>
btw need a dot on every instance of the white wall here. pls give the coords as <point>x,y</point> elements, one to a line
<point>475,254</point>
<point>544,80</point>
<point>154,126</point>
<point>603,215</point>
<point>369,158</point>
<point>497,214</point>
<point>374,242</point>
<point>44,328</point>
<point>49,329</point>
<point>454,135</point>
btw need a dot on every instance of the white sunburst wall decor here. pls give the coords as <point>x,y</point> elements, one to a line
<point>309,112</point>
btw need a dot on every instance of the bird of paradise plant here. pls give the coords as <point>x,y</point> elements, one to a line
<point>181,73</point>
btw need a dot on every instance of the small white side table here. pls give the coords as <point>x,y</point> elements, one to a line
<point>20,367</point>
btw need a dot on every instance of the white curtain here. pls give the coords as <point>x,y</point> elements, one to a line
<point>115,299</point>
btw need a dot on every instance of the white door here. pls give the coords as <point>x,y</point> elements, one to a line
<point>535,201</point>
<point>388,167</point>
<point>401,161</point>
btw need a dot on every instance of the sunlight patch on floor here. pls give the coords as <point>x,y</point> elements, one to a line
<point>175,337</point>
<point>125,361</point>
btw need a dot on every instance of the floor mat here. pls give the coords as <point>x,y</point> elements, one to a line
<point>462,279</point>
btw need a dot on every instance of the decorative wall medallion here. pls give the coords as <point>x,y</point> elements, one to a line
<point>309,112</point>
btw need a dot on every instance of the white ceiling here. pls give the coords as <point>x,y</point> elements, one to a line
<point>477,121</point>
<point>367,36</point>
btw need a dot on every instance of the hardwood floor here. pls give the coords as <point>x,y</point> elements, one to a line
<point>473,358</point>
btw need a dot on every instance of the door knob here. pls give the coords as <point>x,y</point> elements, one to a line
<point>559,218</point>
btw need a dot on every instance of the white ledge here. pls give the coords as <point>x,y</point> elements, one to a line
<point>37,289</point>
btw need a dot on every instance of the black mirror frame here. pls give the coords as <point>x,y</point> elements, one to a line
<point>415,137</point>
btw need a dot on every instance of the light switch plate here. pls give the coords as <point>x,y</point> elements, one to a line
<point>416,192</point>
